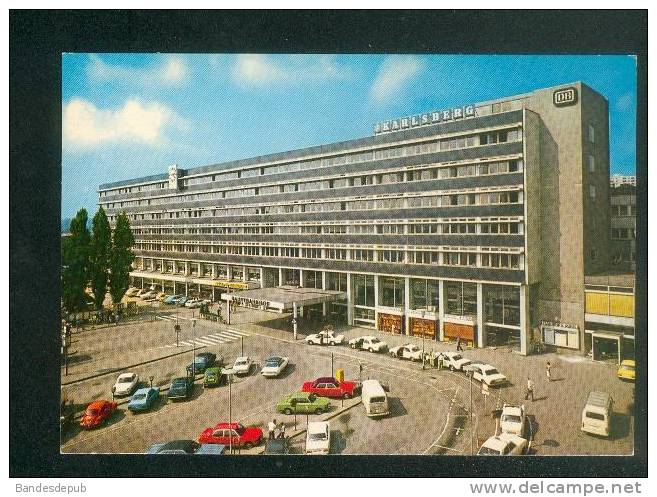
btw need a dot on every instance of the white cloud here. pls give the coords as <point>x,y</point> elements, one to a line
<point>258,69</point>
<point>171,72</point>
<point>85,125</point>
<point>395,72</point>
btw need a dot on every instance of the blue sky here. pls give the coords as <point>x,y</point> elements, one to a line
<point>128,115</point>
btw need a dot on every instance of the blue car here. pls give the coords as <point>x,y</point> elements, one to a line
<point>143,399</point>
<point>172,299</point>
<point>180,300</point>
<point>181,388</point>
<point>186,447</point>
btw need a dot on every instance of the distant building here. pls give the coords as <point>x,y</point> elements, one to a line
<point>622,214</point>
<point>617,180</point>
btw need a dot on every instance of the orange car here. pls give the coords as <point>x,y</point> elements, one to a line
<point>97,412</point>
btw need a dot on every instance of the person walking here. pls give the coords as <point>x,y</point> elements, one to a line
<point>271,428</point>
<point>548,371</point>
<point>530,390</point>
<point>281,430</point>
<point>458,344</point>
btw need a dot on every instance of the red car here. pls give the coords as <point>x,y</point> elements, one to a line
<point>222,433</point>
<point>330,387</point>
<point>97,412</point>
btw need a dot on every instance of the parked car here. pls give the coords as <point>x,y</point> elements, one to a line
<point>454,361</point>
<point>274,366</point>
<point>277,446</point>
<point>125,384</point>
<point>303,403</point>
<point>374,399</point>
<point>142,292</point>
<point>318,438</point>
<point>144,399</point>
<point>241,436</point>
<point>242,365</point>
<point>213,377</point>
<point>181,301</point>
<point>407,351</point>
<point>148,295</point>
<point>96,413</point>
<point>597,413</point>
<point>325,338</point>
<point>513,420</point>
<point>330,387</point>
<point>186,447</point>
<point>131,292</point>
<point>193,303</point>
<point>180,388</point>
<point>626,370</point>
<point>202,361</point>
<point>368,342</point>
<point>66,415</point>
<point>505,444</point>
<point>487,374</point>
<point>171,299</point>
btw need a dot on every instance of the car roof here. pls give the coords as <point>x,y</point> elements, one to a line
<point>204,354</point>
<point>233,426</point>
<point>186,445</point>
<point>318,426</point>
<point>628,362</point>
<point>144,390</point>
<point>241,358</point>
<point>598,399</point>
<point>180,379</point>
<point>325,379</point>
<point>274,357</point>
<point>213,369</point>
<point>512,409</point>
<point>97,404</point>
<point>126,375</point>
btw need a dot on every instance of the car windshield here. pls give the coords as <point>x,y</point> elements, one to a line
<point>627,367</point>
<point>240,362</point>
<point>413,348</point>
<point>318,436</point>
<point>92,412</point>
<point>487,451</point>
<point>179,382</point>
<point>375,340</point>
<point>273,362</point>
<point>312,397</point>
<point>511,418</point>
<point>139,396</point>
<point>457,357</point>
<point>491,371</point>
<point>127,379</point>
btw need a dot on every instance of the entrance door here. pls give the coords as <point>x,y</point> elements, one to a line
<point>606,349</point>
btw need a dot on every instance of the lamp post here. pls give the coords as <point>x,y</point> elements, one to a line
<point>423,356</point>
<point>229,373</point>
<point>470,373</point>
<point>193,347</point>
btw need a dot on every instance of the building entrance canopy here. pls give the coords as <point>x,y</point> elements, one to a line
<point>282,298</point>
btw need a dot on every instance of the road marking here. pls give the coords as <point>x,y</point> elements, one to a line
<point>217,338</point>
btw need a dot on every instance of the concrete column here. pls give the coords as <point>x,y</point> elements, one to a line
<point>376,301</point>
<point>280,276</point>
<point>229,272</point>
<point>214,272</point>
<point>187,268</point>
<point>174,288</point>
<point>162,267</point>
<point>350,301</point>
<point>441,309</point>
<point>245,274</point>
<point>186,289</point>
<point>301,277</point>
<point>481,338</point>
<point>524,319</point>
<point>324,304</point>
<point>162,285</point>
<point>294,319</point>
<point>262,277</point>
<point>407,303</point>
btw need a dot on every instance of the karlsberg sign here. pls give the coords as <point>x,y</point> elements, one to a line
<point>435,117</point>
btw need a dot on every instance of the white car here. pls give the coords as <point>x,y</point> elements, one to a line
<point>132,292</point>
<point>487,374</point>
<point>324,338</point>
<point>148,295</point>
<point>125,384</point>
<point>504,445</point>
<point>274,366</point>
<point>192,303</point>
<point>454,361</point>
<point>242,365</point>
<point>368,342</point>
<point>407,351</point>
<point>513,420</point>
<point>318,438</point>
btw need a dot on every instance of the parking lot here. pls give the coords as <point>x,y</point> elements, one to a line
<point>430,409</point>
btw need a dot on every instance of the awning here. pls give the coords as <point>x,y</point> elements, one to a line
<point>282,298</point>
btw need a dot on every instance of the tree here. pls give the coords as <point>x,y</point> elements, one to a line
<point>121,258</point>
<point>99,256</point>
<point>75,259</point>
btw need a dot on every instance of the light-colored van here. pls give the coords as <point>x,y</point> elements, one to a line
<point>596,415</point>
<point>374,399</point>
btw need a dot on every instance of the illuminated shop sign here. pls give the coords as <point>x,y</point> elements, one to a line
<point>435,117</point>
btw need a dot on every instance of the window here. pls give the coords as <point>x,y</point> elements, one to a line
<point>391,292</point>
<point>363,290</point>
<point>592,191</point>
<point>461,298</point>
<point>502,304</point>
<point>591,134</point>
<point>591,164</point>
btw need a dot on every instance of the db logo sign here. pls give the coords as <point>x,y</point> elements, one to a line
<point>565,97</point>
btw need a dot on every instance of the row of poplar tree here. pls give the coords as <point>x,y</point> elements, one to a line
<point>100,259</point>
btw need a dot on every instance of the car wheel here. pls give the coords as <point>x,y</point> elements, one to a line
<point>319,411</point>
<point>451,367</point>
<point>331,343</point>
<point>347,395</point>
<point>287,411</point>
<point>248,445</point>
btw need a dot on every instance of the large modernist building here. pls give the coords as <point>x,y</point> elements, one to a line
<point>478,222</point>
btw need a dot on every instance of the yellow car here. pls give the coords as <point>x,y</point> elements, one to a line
<point>626,370</point>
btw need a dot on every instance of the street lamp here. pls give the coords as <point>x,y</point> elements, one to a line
<point>193,346</point>
<point>470,372</point>
<point>423,356</point>
<point>229,373</point>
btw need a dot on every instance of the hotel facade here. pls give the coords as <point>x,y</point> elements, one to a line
<point>477,222</point>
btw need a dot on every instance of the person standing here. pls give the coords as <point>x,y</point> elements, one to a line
<point>548,371</point>
<point>530,390</point>
<point>458,344</point>
<point>271,428</point>
<point>281,430</point>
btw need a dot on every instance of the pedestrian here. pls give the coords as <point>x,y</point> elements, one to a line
<point>548,372</point>
<point>281,431</point>
<point>458,344</point>
<point>271,427</point>
<point>530,390</point>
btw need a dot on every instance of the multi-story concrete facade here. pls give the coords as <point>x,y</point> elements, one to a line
<point>478,222</point>
<point>623,227</point>
<point>617,180</point>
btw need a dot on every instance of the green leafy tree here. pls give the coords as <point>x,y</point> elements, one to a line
<point>121,258</point>
<point>99,256</point>
<point>75,259</point>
